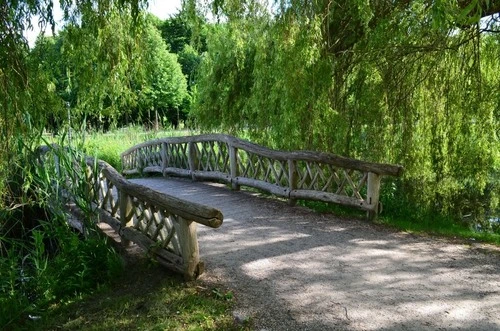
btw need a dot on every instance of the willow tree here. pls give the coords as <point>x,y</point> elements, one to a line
<point>409,82</point>
<point>26,95</point>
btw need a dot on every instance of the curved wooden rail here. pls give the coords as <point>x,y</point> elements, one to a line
<point>163,225</point>
<point>293,175</point>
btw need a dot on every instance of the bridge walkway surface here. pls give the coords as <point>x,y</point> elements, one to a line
<point>291,268</point>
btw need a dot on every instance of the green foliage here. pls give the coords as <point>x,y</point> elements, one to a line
<point>114,73</point>
<point>108,146</point>
<point>190,61</point>
<point>43,259</point>
<point>412,84</point>
<point>95,70</point>
<point>26,87</point>
<point>176,33</point>
<point>168,86</point>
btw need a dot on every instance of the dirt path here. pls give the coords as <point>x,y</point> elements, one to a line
<point>294,269</point>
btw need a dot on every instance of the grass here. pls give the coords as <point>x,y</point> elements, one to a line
<point>109,146</point>
<point>409,221</point>
<point>146,297</point>
<point>440,226</point>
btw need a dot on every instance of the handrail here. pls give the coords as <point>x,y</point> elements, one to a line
<point>196,212</point>
<point>163,225</point>
<point>293,175</point>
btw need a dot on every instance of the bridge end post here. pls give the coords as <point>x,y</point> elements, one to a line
<point>373,195</point>
<point>186,232</point>
<point>126,213</point>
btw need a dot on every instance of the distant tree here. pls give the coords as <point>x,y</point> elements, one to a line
<point>22,96</point>
<point>114,77</point>
<point>176,32</point>
<point>165,88</point>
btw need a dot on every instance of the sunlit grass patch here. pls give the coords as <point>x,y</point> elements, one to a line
<point>108,146</point>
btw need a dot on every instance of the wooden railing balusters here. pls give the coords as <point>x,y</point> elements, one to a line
<point>189,247</point>
<point>164,155</point>
<point>126,214</point>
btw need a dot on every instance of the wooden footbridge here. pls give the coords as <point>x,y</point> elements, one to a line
<point>290,268</point>
<point>165,224</point>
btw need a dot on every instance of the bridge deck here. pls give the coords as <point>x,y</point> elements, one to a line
<point>292,268</point>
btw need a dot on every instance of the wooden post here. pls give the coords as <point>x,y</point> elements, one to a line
<point>164,161</point>
<point>292,180</point>
<point>192,159</point>
<point>126,213</point>
<point>91,191</point>
<point>233,165</point>
<point>140,160</point>
<point>186,232</point>
<point>373,194</point>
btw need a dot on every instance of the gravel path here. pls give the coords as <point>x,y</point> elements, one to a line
<point>293,269</point>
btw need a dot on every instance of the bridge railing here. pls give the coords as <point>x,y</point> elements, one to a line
<point>292,175</point>
<point>165,226</point>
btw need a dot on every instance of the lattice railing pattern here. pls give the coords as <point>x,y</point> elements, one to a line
<point>212,156</point>
<point>328,178</point>
<point>163,225</point>
<point>157,224</point>
<point>293,175</point>
<point>258,167</point>
<point>107,195</point>
<point>131,160</point>
<point>151,156</point>
<point>177,155</point>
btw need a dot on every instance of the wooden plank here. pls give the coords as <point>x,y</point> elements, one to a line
<point>330,197</point>
<point>177,172</point>
<point>130,172</point>
<point>265,186</point>
<point>213,175</point>
<point>152,169</point>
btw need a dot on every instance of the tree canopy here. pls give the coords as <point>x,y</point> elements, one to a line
<point>408,82</point>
